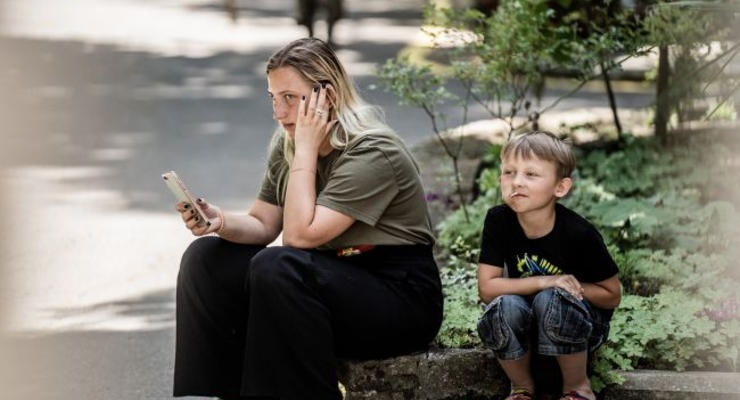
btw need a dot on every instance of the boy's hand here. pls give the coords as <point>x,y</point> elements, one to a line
<point>567,282</point>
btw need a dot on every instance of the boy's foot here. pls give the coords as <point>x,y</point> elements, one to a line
<point>520,394</point>
<point>573,395</point>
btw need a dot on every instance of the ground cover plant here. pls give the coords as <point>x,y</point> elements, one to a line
<point>667,217</point>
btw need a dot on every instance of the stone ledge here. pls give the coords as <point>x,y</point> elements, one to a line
<point>453,374</point>
<point>474,374</point>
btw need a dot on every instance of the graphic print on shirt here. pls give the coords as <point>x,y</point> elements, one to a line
<point>535,266</point>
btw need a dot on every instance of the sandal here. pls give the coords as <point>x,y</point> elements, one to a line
<point>573,395</point>
<point>520,394</point>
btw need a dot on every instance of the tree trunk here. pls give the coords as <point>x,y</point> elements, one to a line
<point>661,96</point>
<point>612,102</point>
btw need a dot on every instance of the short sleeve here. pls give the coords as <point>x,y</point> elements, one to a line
<point>596,262</point>
<point>491,251</point>
<point>268,191</point>
<point>361,185</point>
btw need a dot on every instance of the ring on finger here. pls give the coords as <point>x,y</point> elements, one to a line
<point>320,112</point>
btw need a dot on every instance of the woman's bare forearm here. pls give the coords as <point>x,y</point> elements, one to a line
<point>246,229</point>
<point>300,199</point>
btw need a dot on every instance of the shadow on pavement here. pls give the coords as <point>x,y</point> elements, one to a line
<point>148,312</point>
<point>95,364</point>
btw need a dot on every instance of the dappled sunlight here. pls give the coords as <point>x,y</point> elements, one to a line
<point>111,154</point>
<point>353,58</point>
<point>213,128</point>
<point>192,91</point>
<point>376,30</point>
<point>49,92</point>
<point>129,139</point>
<point>164,27</point>
<point>174,28</point>
<point>82,251</point>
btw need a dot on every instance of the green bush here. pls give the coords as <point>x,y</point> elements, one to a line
<point>671,330</point>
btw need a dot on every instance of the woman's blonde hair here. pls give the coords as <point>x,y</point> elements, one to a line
<point>317,63</point>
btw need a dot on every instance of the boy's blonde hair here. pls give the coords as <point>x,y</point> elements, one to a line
<point>543,145</point>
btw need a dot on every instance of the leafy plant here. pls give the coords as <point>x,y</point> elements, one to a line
<point>459,237</point>
<point>671,330</point>
<point>461,311</point>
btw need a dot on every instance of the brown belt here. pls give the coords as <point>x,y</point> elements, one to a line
<point>354,250</point>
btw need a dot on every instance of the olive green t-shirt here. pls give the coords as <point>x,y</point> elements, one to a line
<point>374,180</point>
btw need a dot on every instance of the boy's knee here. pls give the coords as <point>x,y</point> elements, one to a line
<point>542,300</point>
<point>515,312</point>
<point>504,316</point>
<point>564,319</point>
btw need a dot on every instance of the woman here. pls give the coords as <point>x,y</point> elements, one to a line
<point>355,277</point>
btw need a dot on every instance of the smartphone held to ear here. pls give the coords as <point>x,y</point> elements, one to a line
<point>182,194</point>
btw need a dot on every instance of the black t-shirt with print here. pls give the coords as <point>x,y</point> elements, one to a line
<point>574,246</point>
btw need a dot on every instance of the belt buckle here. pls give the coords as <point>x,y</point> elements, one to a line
<point>354,250</point>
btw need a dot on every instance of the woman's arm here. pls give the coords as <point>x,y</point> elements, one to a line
<point>261,224</point>
<point>306,224</point>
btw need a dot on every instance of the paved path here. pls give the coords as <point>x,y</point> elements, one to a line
<point>99,98</point>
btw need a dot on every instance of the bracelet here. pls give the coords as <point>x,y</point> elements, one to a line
<point>313,171</point>
<point>221,228</point>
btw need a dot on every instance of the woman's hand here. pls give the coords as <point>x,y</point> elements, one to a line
<point>191,218</point>
<point>312,124</point>
<point>567,282</point>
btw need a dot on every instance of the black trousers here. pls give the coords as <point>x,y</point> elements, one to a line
<point>271,322</point>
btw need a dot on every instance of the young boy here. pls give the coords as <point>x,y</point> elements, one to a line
<point>544,271</point>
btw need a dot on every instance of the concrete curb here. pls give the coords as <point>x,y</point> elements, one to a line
<point>456,374</point>
<point>659,384</point>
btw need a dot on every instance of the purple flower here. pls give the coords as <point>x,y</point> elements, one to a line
<point>724,310</point>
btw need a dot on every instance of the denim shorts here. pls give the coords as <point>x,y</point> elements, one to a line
<point>553,321</point>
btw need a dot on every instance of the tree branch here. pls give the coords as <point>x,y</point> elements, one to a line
<point>724,100</point>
